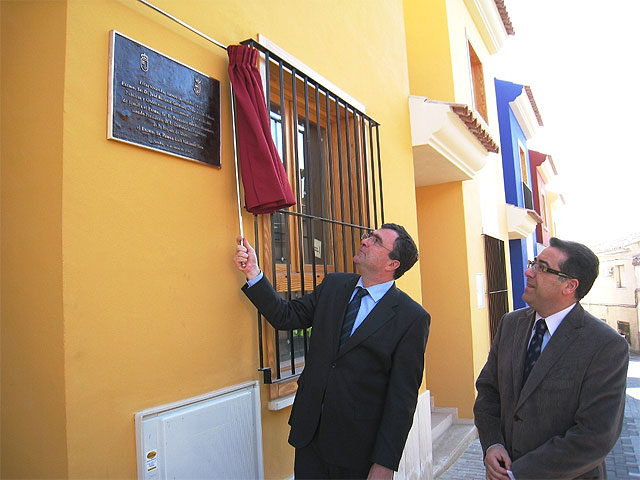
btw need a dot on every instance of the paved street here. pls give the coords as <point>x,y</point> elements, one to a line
<point>622,462</point>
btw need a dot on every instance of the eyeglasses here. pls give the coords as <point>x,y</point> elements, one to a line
<point>542,268</point>
<point>376,240</point>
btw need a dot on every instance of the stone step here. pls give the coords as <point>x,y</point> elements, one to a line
<point>440,422</point>
<point>451,444</point>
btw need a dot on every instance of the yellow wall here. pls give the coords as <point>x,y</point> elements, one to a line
<point>445,293</point>
<point>462,31</point>
<point>453,216</point>
<point>452,253</point>
<point>479,314</point>
<point>428,49</point>
<point>118,290</point>
<point>33,395</point>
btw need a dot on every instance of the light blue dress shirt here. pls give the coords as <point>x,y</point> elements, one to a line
<point>256,279</point>
<point>368,302</point>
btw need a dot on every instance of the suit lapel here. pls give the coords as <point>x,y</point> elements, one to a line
<point>381,314</point>
<point>520,343</point>
<point>341,301</point>
<point>559,343</point>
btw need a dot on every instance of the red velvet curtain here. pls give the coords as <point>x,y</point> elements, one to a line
<point>266,188</point>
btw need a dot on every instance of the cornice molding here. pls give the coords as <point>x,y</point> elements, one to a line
<point>521,222</point>
<point>447,147</point>
<point>489,22</point>
<point>547,170</point>
<point>525,115</point>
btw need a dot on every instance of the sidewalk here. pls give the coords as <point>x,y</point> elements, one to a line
<point>622,462</point>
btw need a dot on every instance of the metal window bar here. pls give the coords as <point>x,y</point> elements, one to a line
<point>339,144</point>
<point>321,181</point>
<point>373,183</point>
<point>378,177</point>
<point>498,301</point>
<point>338,188</point>
<point>358,186</point>
<point>321,176</point>
<point>356,152</point>
<point>331,185</point>
<point>308,170</point>
<point>363,135</point>
<point>349,183</point>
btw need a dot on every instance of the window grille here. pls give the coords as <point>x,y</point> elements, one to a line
<point>331,153</point>
<point>498,301</point>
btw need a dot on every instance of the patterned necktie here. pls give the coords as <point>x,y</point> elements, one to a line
<point>533,352</point>
<point>351,314</point>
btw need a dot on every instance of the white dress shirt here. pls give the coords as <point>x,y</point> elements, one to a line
<point>553,322</point>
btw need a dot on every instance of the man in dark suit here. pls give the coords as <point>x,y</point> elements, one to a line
<point>551,396</point>
<point>357,394</point>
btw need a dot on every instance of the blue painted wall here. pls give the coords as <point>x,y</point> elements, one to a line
<point>518,253</point>
<point>510,133</point>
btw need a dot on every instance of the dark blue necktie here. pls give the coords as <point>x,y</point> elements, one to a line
<point>535,347</point>
<point>351,314</point>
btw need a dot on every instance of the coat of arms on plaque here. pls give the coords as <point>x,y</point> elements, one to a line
<point>144,62</point>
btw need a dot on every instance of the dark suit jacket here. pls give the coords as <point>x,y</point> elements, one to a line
<point>568,415</point>
<point>360,400</point>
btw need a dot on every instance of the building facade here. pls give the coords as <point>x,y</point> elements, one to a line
<point>118,291</point>
<point>615,293</point>
<point>546,200</point>
<point>519,118</point>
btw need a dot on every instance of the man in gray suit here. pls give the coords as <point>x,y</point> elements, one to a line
<point>551,396</point>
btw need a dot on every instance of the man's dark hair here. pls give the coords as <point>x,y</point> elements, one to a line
<point>581,263</point>
<point>404,249</point>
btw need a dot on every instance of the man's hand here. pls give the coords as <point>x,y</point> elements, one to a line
<point>378,472</point>
<point>497,454</point>
<point>245,258</point>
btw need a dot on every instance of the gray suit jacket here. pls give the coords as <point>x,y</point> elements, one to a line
<point>568,415</point>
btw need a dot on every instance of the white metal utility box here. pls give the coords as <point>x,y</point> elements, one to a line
<point>217,435</point>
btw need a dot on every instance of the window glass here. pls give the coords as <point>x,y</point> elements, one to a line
<point>477,83</point>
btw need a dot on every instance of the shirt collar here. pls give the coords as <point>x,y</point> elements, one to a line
<point>377,291</point>
<point>554,321</point>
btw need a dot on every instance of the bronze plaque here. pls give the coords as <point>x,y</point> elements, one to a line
<point>156,102</point>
